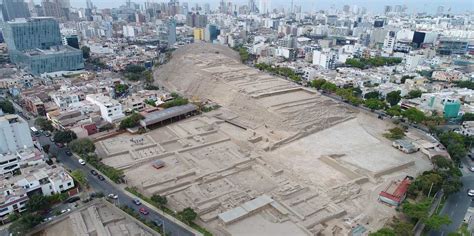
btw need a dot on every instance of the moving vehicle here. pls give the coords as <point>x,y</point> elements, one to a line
<point>65,211</point>
<point>112,196</point>
<point>69,153</point>
<point>100,177</point>
<point>470,192</point>
<point>144,211</point>
<point>35,131</point>
<point>82,162</point>
<point>471,168</point>
<point>137,201</point>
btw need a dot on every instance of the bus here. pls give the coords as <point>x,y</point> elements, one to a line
<point>34,131</point>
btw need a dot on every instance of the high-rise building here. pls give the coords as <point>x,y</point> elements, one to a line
<point>207,8</point>
<point>52,8</point>
<point>171,32</point>
<point>264,6</point>
<point>211,33</point>
<point>12,9</point>
<point>35,44</point>
<point>196,20</point>
<point>14,134</point>
<point>199,34</point>
<point>71,40</point>
<point>252,6</point>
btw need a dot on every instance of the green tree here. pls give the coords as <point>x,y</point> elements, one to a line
<point>457,151</point>
<point>441,162</point>
<point>414,94</point>
<point>395,133</point>
<point>44,124</point>
<point>435,222</point>
<point>86,52</point>
<point>82,146</point>
<point>414,115</point>
<point>23,225</point>
<point>373,94</point>
<point>161,201</point>
<point>383,232</point>
<point>417,211</point>
<point>317,83</point>
<point>37,202</point>
<point>80,177</point>
<point>187,215</point>
<point>394,111</point>
<point>468,116</point>
<point>7,107</point>
<point>405,77</point>
<point>393,98</point>
<point>374,104</point>
<point>64,136</point>
<point>131,121</point>
<point>329,87</point>
<point>403,228</point>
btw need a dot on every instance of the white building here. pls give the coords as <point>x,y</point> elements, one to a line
<point>14,134</point>
<point>110,109</point>
<point>326,59</point>
<point>128,31</point>
<point>64,100</point>
<point>44,179</point>
<point>12,199</point>
<point>389,42</point>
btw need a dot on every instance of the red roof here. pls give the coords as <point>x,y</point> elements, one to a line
<point>399,192</point>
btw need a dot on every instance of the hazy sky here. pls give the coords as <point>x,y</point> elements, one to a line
<point>429,6</point>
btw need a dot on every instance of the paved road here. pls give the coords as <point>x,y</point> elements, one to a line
<point>457,204</point>
<point>72,163</point>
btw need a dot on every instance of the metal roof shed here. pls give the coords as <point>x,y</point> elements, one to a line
<point>158,116</point>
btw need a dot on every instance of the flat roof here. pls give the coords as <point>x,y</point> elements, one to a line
<point>158,116</point>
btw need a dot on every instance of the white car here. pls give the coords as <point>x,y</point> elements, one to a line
<point>470,192</point>
<point>112,196</point>
<point>82,162</point>
<point>65,210</point>
<point>471,168</point>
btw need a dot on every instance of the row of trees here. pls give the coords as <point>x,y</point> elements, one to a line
<point>283,71</point>
<point>363,63</point>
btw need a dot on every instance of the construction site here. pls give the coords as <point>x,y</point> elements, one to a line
<point>275,159</point>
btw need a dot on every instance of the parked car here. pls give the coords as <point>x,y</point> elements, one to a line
<point>73,199</point>
<point>82,162</point>
<point>47,133</point>
<point>69,153</point>
<point>93,172</point>
<point>137,201</point>
<point>59,145</point>
<point>471,168</point>
<point>112,196</point>
<point>470,192</point>
<point>51,139</point>
<point>144,211</point>
<point>100,177</point>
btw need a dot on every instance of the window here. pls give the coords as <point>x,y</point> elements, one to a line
<point>61,186</point>
<point>69,184</point>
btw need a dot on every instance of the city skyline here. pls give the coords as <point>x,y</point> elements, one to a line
<point>376,6</point>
